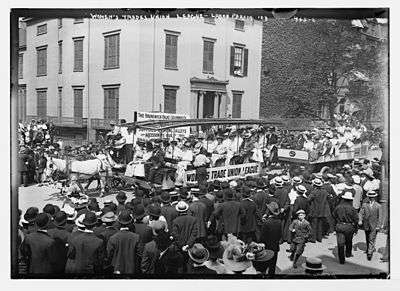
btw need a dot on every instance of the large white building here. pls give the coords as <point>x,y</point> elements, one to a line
<point>82,73</point>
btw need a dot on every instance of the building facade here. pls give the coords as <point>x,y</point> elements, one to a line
<point>83,73</point>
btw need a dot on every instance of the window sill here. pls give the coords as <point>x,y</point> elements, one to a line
<point>208,73</point>
<point>173,69</point>
<point>78,71</point>
<point>239,76</point>
<point>110,68</point>
<point>41,75</point>
<point>41,33</point>
<point>239,29</point>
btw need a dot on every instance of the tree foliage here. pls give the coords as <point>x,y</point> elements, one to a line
<point>304,64</point>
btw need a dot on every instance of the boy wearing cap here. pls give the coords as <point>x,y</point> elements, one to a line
<point>371,219</point>
<point>301,230</point>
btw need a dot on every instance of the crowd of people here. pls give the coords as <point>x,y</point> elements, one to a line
<point>216,227</point>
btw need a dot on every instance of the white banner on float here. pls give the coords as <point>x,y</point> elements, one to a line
<point>144,134</point>
<point>227,172</point>
<point>292,154</point>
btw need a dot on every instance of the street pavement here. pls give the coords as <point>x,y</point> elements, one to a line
<point>325,250</point>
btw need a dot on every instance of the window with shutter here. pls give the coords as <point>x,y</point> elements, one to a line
<point>41,103</point>
<point>20,66</point>
<point>208,57</point>
<point>111,51</point>
<point>237,105</point>
<point>78,103</point>
<point>171,51</point>
<point>60,57</point>
<point>78,55</point>
<point>41,61</point>
<point>170,99</point>
<point>111,102</point>
<point>239,60</point>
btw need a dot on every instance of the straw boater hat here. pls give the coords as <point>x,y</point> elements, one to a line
<point>347,196</point>
<point>278,182</point>
<point>297,180</point>
<point>313,265</point>
<point>301,211</point>
<point>372,194</point>
<point>109,217</point>
<point>181,206</point>
<point>70,211</point>
<point>317,182</point>
<point>301,189</point>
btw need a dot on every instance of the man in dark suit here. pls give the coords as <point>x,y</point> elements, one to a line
<point>371,219</point>
<point>167,210</point>
<point>86,249</point>
<point>248,222</point>
<point>271,234</point>
<point>230,213</point>
<point>282,195</point>
<point>121,198</point>
<point>301,201</point>
<point>346,220</point>
<point>29,224</point>
<point>198,210</point>
<point>61,237</point>
<point>319,210</point>
<point>184,227</point>
<point>122,247</point>
<point>38,248</point>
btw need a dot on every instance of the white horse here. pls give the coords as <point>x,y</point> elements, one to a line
<point>100,165</point>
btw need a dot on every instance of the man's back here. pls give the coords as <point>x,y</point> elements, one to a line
<point>40,249</point>
<point>122,248</point>
<point>271,233</point>
<point>87,250</point>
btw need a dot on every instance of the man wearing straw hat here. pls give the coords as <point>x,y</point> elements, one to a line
<point>371,219</point>
<point>346,219</point>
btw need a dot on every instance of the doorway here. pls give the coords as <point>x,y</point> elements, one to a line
<point>208,104</point>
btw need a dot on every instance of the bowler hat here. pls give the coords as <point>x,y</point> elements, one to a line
<point>139,211</point>
<point>154,210</point>
<point>165,197</point>
<point>49,209</point>
<point>198,253</point>
<point>121,197</point>
<point>229,195</point>
<point>125,217</point>
<point>90,219</point>
<point>60,218</point>
<point>31,214</point>
<point>42,220</point>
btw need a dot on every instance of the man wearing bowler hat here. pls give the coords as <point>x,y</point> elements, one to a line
<point>271,234</point>
<point>61,237</point>
<point>346,219</point>
<point>141,228</point>
<point>86,249</point>
<point>122,247</point>
<point>371,220</point>
<point>38,248</point>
